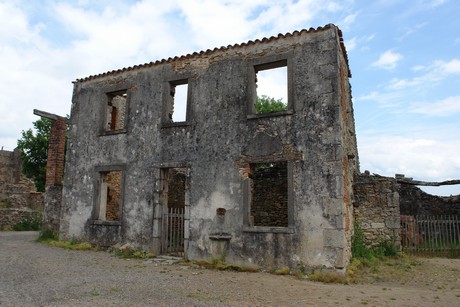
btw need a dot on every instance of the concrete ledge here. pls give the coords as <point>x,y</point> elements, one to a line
<point>266,229</point>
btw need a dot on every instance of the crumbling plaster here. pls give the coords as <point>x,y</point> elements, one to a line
<point>218,140</point>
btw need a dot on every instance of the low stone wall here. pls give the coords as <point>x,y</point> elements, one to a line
<point>377,208</point>
<point>12,216</point>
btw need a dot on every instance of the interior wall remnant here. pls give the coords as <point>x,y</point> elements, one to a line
<point>116,111</point>
<point>269,194</point>
<point>109,207</point>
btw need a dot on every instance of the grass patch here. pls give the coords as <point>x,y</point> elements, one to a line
<point>221,265</point>
<point>328,277</point>
<point>281,271</point>
<point>71,244</point>
<point>380,263</point>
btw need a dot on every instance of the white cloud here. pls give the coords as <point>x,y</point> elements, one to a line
<point>434,73</point>
<point>388,60</point>
<point>444,107</point>
<point>423,159</point>
<point>351,43</point>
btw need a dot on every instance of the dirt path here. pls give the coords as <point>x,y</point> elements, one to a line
<point>34,274</point>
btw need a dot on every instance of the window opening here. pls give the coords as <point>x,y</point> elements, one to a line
<point>173,201</point>
<point>178,93</point>
<point>271,87</point>
<point>110,196</point>
<point>269,194</point>
<point>116,111</point>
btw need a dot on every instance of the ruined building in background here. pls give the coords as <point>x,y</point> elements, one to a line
<point>19,199</point>
<point>270,189</point>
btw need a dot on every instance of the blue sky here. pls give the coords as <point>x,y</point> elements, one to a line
<point>404,58</point>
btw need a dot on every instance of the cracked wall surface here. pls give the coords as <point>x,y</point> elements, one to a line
<point>216,144</point>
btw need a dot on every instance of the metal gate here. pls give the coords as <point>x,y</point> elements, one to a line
<point>172,239</point>
<point>434,235</point>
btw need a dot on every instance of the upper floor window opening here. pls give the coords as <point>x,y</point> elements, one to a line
<point>116,111</point>
<point>178,101</point>
<point>271,87</point>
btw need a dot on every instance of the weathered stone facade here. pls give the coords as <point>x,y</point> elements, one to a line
<point>18,196</point>
<point>221,138</point>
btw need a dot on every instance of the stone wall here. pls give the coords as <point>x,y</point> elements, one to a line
<point>18,197</point>
<point>414,201</point>
<point>377,208</point>
<point>12,216</point>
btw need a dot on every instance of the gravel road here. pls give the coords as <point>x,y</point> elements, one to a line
<point>35,274</point>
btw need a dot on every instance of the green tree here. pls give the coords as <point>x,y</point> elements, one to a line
<point>265,104</point>
<point>33,151</point>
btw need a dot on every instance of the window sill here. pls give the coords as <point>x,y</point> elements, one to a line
<point>268,229</point>
<point>175,124</point>
<point>106,223</point>
<point>270,114</point>
<point>112,132</point>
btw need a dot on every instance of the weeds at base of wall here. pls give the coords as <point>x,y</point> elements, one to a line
<point>133,254</point>
<point>47,235</point>
<point>221,265</point>
<point>381,262</point>
<point>29,223</point>
<point>359,249</point>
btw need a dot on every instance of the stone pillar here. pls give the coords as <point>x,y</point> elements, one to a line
<point>54,173</point>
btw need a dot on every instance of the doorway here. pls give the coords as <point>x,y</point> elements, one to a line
<point>173,201</point>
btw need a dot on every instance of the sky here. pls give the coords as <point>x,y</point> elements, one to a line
<point>404,58</point>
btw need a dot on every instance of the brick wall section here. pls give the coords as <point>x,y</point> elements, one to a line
<point>113,180</point>
<point>270,196</point>
<point>54,174</point>
<point>56,148</point>
<point>377,208</point>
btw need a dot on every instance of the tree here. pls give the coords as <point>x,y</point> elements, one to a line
<point>265,104</point>
<point>34,150</point>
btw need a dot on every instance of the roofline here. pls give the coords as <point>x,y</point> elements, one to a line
<point>224,48</point>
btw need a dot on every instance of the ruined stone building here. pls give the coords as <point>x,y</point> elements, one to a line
<point>18,196</point>
<point>266,189</point>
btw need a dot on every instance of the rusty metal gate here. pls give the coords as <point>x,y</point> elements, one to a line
<point>433,235</point>
<point>172,239</point>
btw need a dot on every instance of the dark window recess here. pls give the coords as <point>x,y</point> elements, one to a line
<point>269,194</point>
<point>178,94</point>
<point>271,87</point>
<point>116,111</point>
<point>110,196</point>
